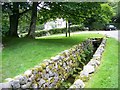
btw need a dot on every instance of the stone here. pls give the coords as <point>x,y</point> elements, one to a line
<point>17,77</point>
<point>46,75</point>
<point>51,73</point>
<point>26,85</point>
<point>46,63</point>
<point>56,58</point>
<point>72,86</point>
<point>5,85</point>
<point>15,84</point>
<point>56,66</point>
<point>66,52</point>
<point>89,69</point>
<point>96,58</point>
<point>66,68</point>
<point>42,81</point>
<point>60,63</point>
<point>94,63</point>
<point>52,85</point>
<point>78,84</point>
<point>43,65</point>
<point>47,68</point>
<point>28,73</point>
<point>8,79</point>
<point>34,85</point>
<point>49,79</point>
<point>38,79</point>
<point>50,61</point>
<point>31,78</point>
<point>97,55</point>
<point>34,71</point>
<point>56,79</point>
<point>84,75</point>
<point>23,79</point>
<point>56,74</point>
<point>64,64</point>
<point>46,85</point>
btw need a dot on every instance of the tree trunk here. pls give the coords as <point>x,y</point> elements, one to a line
<point>69,28</point>
<point>32,28</point>
<point>13,19</point>
<point>66,27</point>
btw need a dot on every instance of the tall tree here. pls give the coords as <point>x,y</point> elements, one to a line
<point>13,19</point>
<point>15,10</point>
<point>32,28</point>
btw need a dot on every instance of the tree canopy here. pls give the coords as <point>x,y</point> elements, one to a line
<point>87,13</point>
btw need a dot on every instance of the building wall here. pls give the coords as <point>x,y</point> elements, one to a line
<point>58,23</point>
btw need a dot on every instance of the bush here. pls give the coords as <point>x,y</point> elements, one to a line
<point>56,31</point>
<point>117,25</point>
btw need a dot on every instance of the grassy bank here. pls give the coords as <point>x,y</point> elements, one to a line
<point>21,54</point>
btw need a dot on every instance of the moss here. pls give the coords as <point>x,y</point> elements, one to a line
<point>44,71</point>
<point>66,75</point>
<point>40,69</point>
<point>43,65</point>
<point>84,79</point>
<point>58,84</point>
<point>46,80</point>
<point>52,80</point>
<point>78,57</point>
<point>64,59</point>
<point>34,70</point>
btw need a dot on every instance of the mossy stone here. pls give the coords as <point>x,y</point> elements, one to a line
<point>43,65</point>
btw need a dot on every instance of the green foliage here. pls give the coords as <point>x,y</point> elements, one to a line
<point>101,17</point>
<point>65,85</point>
<point>91,14</point>
<point>107,13</point>
<point>24,22</point>
<point>5,25</point>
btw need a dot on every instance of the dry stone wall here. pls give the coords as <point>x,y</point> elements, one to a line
<point>90,67</point>
<point>51,73</point>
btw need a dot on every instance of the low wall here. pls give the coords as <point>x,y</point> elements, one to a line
<point>51,73</point>
<point>89,68</point>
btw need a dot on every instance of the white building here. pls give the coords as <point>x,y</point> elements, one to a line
<point>58,23</point>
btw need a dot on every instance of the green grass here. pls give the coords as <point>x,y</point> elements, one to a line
<point>106,75</point>
<point>23,53</point>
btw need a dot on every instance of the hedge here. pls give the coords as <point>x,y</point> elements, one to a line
<point>56,31</point>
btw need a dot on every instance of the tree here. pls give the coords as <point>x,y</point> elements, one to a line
<point>14,20</point>
<point>32,27</point>
<point>72,11</point>
<point>31,32</point>
<point>118,15</point>
<point>101,17</point>
<point>81,12</point>
<point>15,10</point>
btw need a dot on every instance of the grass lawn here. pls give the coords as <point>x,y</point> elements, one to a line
<point>106,75</point>
<point>23,53</point>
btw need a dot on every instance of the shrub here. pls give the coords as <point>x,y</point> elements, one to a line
<point>57,31</point>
